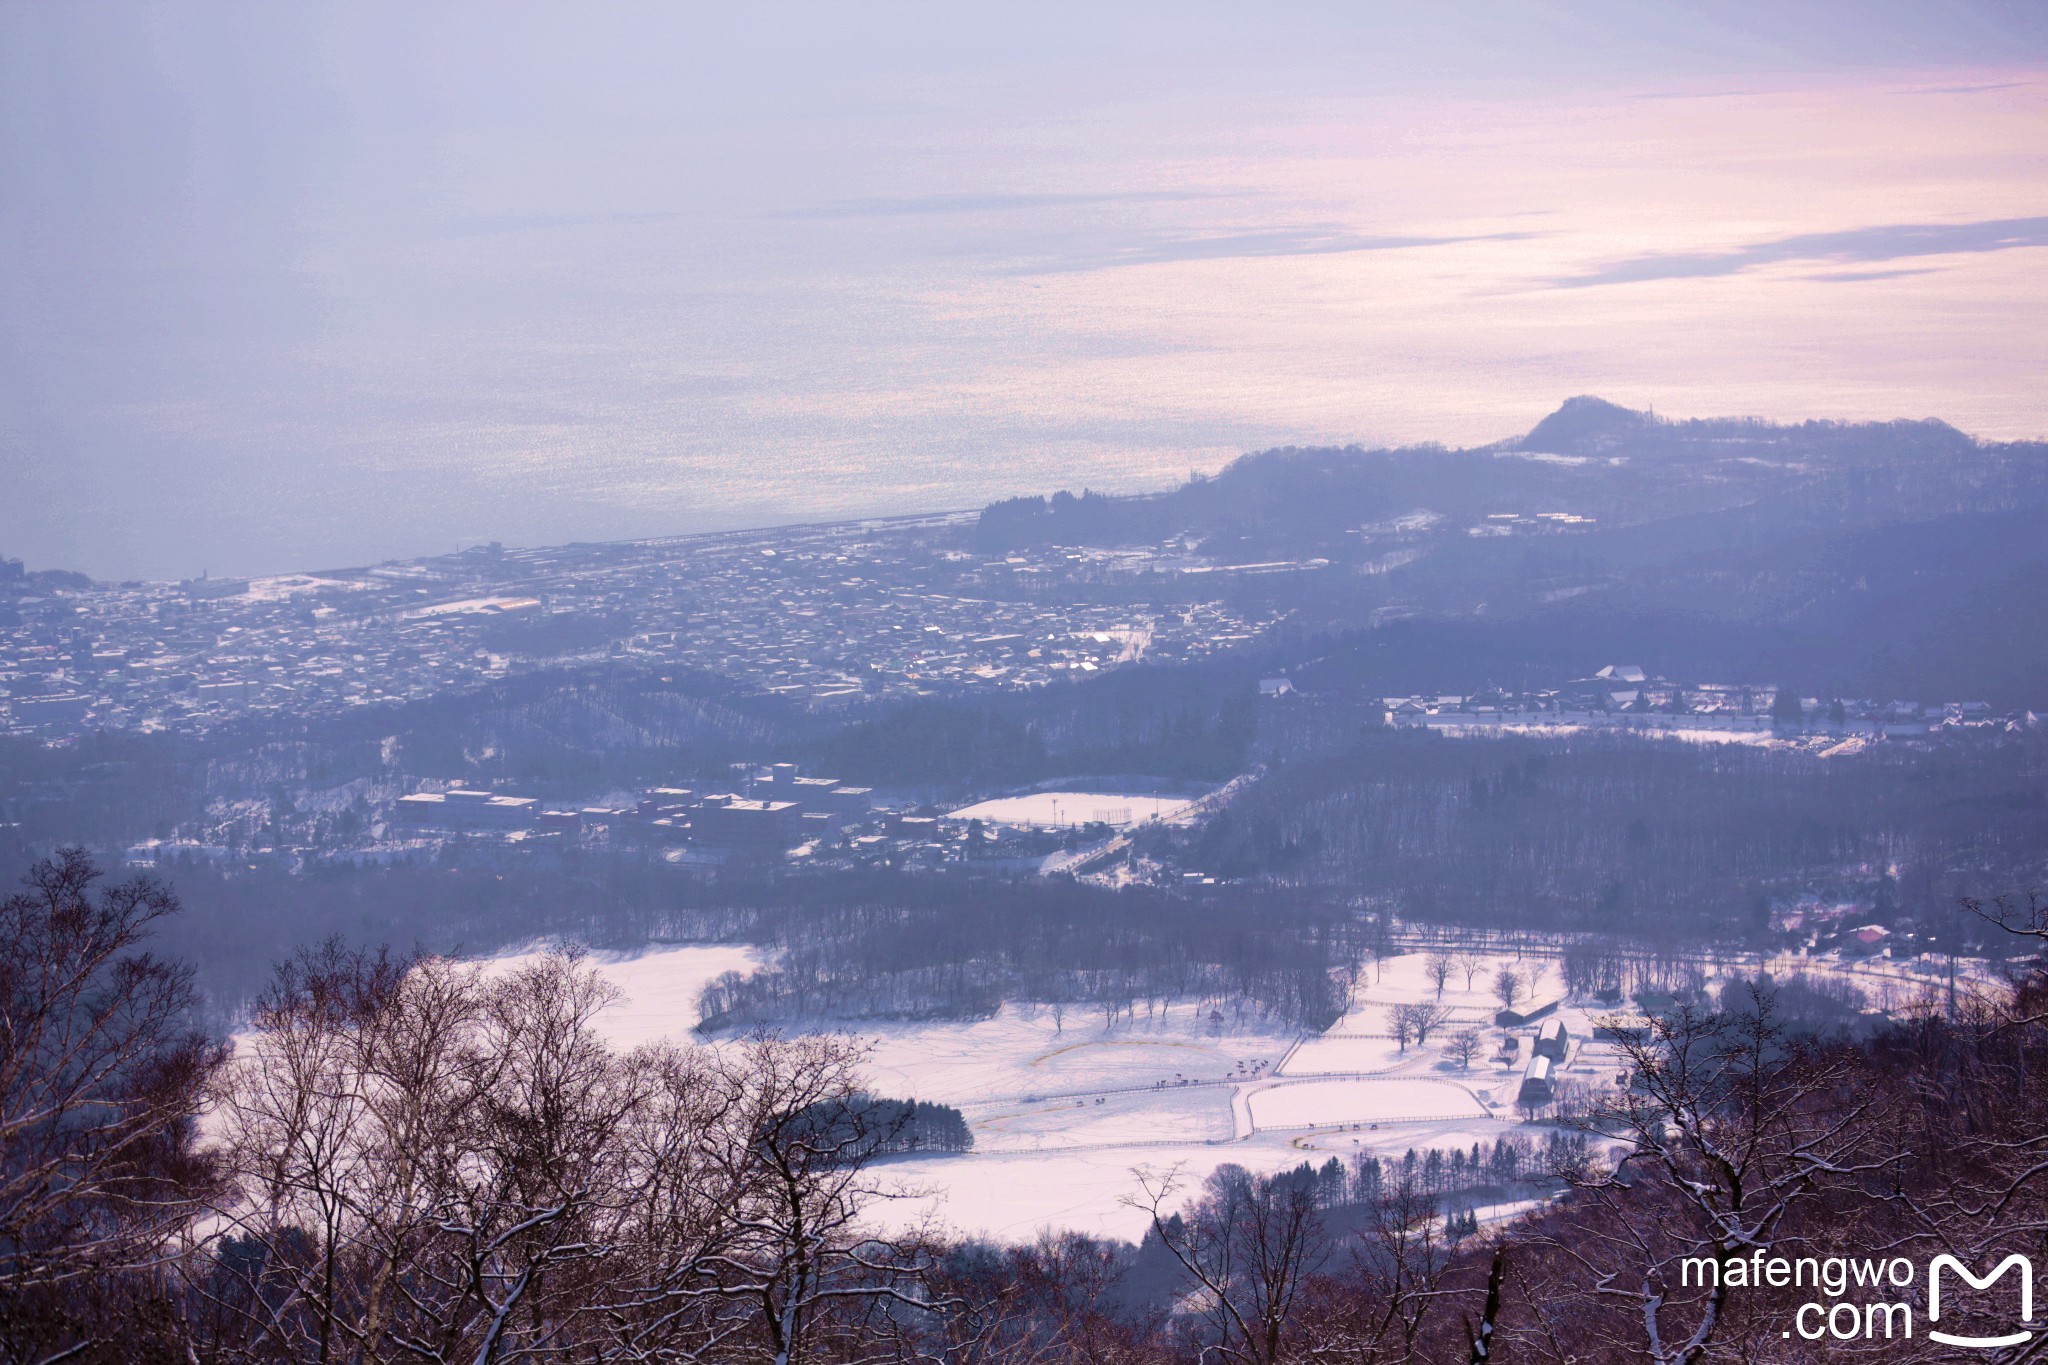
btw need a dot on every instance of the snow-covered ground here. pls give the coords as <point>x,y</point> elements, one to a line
<point>658,989</point>
<point>1066,1111</point>
<point>1057,810</point>
<point>290,585</point>
<point>1026,1051</point>
<point>1349,1056</point>
<point>1011,1196</point>
<point>1202,1115</point>
<point>1405,979</point>
<point>1298,1104</point>
<point>1685,735</point>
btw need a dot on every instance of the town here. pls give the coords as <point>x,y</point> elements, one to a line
<point>827,616</point>
<point>1623,697</point>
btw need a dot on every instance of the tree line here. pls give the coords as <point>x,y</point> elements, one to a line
<point>1617,835</point>
<point>929,947</point>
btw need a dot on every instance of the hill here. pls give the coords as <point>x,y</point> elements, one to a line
<point>1889,557</point>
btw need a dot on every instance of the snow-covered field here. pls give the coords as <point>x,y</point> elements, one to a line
<point>1201,1115</point>
<point>284,586</point>
<point>1345,1056</point>
<point>658,989</point>
<point>1025,1051</point>
<point>1298,1104</point>
<point>1056,810</point>
<point>1012,1197</point>
<point>1065,1111</point>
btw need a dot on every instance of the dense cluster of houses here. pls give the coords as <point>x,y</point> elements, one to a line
<point>825,615</point>
<point>772,808</point>
<point>1624,697</point>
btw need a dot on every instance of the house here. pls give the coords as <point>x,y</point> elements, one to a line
<point>1527,1013</point>
<point>665,801</point>
<point>1552,1040</point>
<point>1275,687</point>
<point>462,809</point>
<point>725,821</point>
<point>1621,1028</point>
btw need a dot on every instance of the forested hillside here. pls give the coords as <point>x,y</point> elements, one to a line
<point>1608,834</point>
<point>1891,559</point>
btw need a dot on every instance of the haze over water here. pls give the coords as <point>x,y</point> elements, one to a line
<point>288,288</point>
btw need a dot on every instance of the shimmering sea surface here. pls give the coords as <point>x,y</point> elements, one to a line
<point>351,306</point>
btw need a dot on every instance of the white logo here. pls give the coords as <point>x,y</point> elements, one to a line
<point>2014,1261</point>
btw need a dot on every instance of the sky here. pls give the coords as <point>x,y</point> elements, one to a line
<point>294,287</point>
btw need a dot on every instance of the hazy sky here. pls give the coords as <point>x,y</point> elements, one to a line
<point>290,286</point>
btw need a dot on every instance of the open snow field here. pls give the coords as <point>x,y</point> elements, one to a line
<point>1298,1104</point>
<point>1011,1198</point>
<point>1023,1051</point>
<point>1347,1056</point>
<point>658,989</point>
<point>1064,1160</point>
<point>1403,979</point>
<point>1057,810</point>
<point>1200,1115</point>
<point>1064,1111</point>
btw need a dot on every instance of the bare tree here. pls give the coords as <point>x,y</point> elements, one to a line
<point>1416,1020</point>
<point>2026,918</point>
<point>1438,969</point>
<point>1508,987</point>
<point>1379,945</point>
<point>1463,1046</point>
<point>1375,1310</point>
<point>1251,1245</point>
<point>799,1148</point>
<point>1400,1025</point>
<point>1042,1303</point>
<point>435,1165</point>
<point>1482,1332</point>
<point>100,1073</point>
<point>1408,1226</point>
<point>1471,964</point>
<point>417,1153</point>
<point>519,1225</point>
<point>1733,1124</point>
